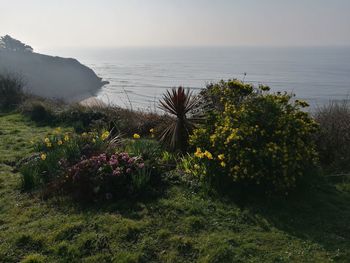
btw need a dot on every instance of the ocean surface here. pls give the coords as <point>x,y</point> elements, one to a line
<point>139,76</point>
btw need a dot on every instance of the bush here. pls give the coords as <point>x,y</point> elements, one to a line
<point>84,118</point>
<point>106,175</point>
<point>333,138</point>
<point>89,118</point>
<point>254,138</point>
<point>11,92</point>
<point>39,110</point>
<point>98,117</point>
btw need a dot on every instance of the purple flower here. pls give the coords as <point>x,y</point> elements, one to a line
<point>125,157</point>
<point>113,161</point>
<point>128,171</point>
<point>141,165</point>
<point>116,172</point>
<point>103,157</point>
<point>131,160</point>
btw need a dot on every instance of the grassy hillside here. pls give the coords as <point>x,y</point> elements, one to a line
<point>175,226</point>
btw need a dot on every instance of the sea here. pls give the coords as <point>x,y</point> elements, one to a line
<point>138,77</point>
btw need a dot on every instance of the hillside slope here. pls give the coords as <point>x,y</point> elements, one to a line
<point>177,226</point>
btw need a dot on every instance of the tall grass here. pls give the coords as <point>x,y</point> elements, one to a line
<point>11,92</point>
<point>333,139</point>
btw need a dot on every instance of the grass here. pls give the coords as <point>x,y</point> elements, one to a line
<point>177,226</point>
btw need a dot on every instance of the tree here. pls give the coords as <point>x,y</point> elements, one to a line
<point>10,44</point>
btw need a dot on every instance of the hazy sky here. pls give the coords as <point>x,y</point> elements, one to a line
<point>109,23</point>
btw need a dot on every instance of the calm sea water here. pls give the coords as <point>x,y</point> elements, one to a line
<point>141,75</point>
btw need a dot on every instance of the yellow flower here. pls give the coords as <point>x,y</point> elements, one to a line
<point>136,136</point>
<point>221,157</point>
<point>49,144</point>
<point>199,153</point>
<point>105,135</point>
<point>223,164</point>
<point>60,142</point>
<point>58,130</point>
<point>43,156</point>
<point>66,137</point>
<point>47,140</point>
<point>208,155</point>
<point>84,135</point>
<point>151,130</point>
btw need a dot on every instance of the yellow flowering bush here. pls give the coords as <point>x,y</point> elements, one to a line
<point>254,137</point>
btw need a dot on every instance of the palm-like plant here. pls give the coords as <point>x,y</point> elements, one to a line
<point>179,103</point>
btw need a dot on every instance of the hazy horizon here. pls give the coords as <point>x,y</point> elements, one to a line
<point>55,25</point>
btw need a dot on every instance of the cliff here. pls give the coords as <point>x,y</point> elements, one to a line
<point>47,76</point>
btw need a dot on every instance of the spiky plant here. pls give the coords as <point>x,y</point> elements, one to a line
<point>179,103</point>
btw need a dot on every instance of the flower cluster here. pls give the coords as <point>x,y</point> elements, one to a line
<point>71,144</point>
<point>104,174</point>
<point>107,165</point>
<point>51,141</point>
<point>207,155</point>
<point>57,139</point>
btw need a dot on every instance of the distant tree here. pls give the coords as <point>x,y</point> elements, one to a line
<point>10,44</point>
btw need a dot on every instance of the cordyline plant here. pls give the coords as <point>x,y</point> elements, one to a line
<point>180,103</point>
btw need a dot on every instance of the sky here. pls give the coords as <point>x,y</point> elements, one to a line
<point>49,24</point>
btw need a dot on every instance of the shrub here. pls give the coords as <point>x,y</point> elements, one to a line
<point>11,92</point>
<point>106,175</point>
<point>84,118</point>
<point>258,139</point>
<point>333,138</point>
<point>97,117</point>
<point>39,110</point>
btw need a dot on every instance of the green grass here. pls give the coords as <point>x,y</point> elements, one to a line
<point>177,226</point>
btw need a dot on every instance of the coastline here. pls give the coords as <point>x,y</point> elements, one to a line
<point>92,101</point>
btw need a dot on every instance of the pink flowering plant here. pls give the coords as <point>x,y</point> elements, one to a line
<point>104,175</point>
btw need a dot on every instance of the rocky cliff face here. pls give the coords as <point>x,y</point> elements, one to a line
<point>47,76</point>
